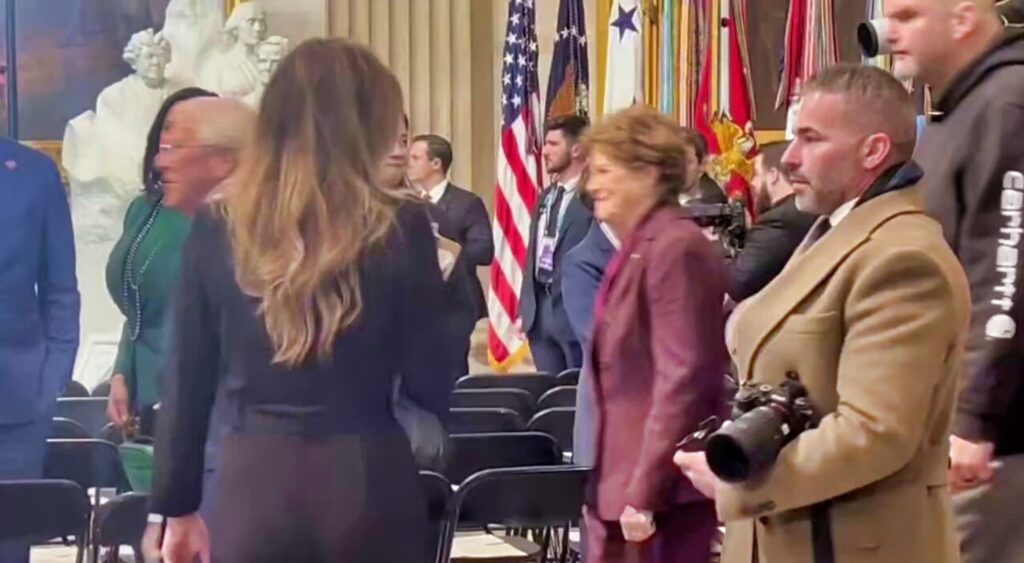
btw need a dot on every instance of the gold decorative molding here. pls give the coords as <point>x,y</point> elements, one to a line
<point>229,5</point>
<point>52,149</point>
<point>770,136</point>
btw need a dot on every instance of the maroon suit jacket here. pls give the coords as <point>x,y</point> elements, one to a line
<point>659,361</point>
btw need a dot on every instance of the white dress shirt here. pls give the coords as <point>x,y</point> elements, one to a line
<point>437,192</point>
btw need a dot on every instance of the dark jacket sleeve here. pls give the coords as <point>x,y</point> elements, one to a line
<point>769,245</point>
<point>989,246</point>
<point>580,281</point>
<point>478,248</point>
<point>190,380</point>
<point>684,289</point>
<point>426,360</point>
<point>58,288</point>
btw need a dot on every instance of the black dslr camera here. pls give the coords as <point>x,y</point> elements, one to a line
<point>728,220</point>
<point>765,419</point>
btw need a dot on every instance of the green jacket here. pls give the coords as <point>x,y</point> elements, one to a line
<point>140,354</point>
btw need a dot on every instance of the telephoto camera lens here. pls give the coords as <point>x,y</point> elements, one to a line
<point>873,38</point>
<point>748,446</point>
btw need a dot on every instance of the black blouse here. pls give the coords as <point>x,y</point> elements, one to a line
<point>218,333</point>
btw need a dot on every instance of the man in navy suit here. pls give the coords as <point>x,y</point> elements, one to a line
<point>581,277</point>
<point>559,223</point>
<point>430,158</point>
<point>39,306</point>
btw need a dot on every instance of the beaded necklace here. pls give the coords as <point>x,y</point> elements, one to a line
<point>131,288</point>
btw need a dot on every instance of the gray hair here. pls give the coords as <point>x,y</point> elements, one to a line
<point>222,122</point>
<point>146,39</point>
<point>881,102</point>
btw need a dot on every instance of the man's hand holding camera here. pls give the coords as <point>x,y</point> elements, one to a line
<point>694,466</point>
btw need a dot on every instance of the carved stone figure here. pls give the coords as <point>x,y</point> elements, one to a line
<point>193,28</point>
<point>268,56</point>
<point>234,72</point>
<point>108,143</point>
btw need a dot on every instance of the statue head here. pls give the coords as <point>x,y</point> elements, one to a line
<point>269,55</point>
<point>247,24</point>
<point>148,54</point>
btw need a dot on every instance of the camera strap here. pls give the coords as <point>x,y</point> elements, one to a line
<point>821,534</point>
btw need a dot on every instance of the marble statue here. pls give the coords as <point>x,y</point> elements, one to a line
<point>268,56</point>
<point>234,72</point>
<point>193,27</point>
<point>107,144</point>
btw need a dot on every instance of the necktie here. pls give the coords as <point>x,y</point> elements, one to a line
<point>551,228</point>
<point>823,226</point>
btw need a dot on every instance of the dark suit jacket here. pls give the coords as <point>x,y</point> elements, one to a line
<point>659,358</point>
<point>218,334</point>
<point>462,285</point>
<point>39,302</point>
<point>471,228</point>
<point>581,276</point>
<point>769,244</point>
<point>574,227</point>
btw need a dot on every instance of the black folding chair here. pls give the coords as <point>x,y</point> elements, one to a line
<point>475,421</point>
<point>112,434</point>
<point>562,396</point>
<point>534,383</point>
<point>74,389</point>
<point>570,376</point>
<point>92,464</point>
<point>534,498</point>
<point>498,398</point>
<point>90,412</point>
<point>558,422</point>
<point>475,452</point>
<point>37,511</point>
<point>102,389</point>
<point>121,521</point>
<point>67,429</point>
<point>438,492</point>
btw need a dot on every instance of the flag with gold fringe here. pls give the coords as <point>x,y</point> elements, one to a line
<point>811,45</point>
<point>569,79</point>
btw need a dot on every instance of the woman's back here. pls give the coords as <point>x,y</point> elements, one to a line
<point>399,331</point>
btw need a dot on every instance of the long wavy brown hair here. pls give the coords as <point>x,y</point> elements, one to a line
<point>306,205</point>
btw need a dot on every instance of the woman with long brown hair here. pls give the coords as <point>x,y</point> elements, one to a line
<point>307,293</point>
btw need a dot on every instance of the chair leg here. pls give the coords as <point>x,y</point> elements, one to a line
<point>564,557</point>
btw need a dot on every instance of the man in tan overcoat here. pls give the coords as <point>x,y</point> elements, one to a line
<point>871,315</point>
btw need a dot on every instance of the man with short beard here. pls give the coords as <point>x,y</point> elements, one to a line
<point>558,224</point>
<point>973,157</point>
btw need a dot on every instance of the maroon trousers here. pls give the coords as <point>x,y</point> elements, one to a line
<point>684,534</point>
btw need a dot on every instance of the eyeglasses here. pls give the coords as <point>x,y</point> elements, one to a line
<point>171,149</point>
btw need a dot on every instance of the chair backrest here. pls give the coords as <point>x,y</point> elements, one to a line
<point>90,463</point>
<point>74,389</point>
<point>534,383</point>
<point>90,412</point>
<point>67,429</point>
<point>475,452</point>
<point>112,434</point>
<point>102,389</point>
<point>521,497</point>
<point>496,398</point>
<point>438,492</point>
<point>122,520</point>
<point>562,396</point>
<point>475,421</point>
<point>570,376</point>
<point>557,422</point>
<point>37,511</point>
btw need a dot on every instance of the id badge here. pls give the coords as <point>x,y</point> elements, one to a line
<point>546,254</point>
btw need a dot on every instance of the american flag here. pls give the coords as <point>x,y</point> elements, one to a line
<point>519,179</point>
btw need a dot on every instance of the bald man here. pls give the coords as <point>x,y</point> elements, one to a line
<point>870,315</point>
<point>973,157</point>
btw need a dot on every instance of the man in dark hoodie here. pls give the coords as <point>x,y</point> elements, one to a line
<point>973,158</point>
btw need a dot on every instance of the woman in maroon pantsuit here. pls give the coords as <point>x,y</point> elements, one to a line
<point>658,352</point>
